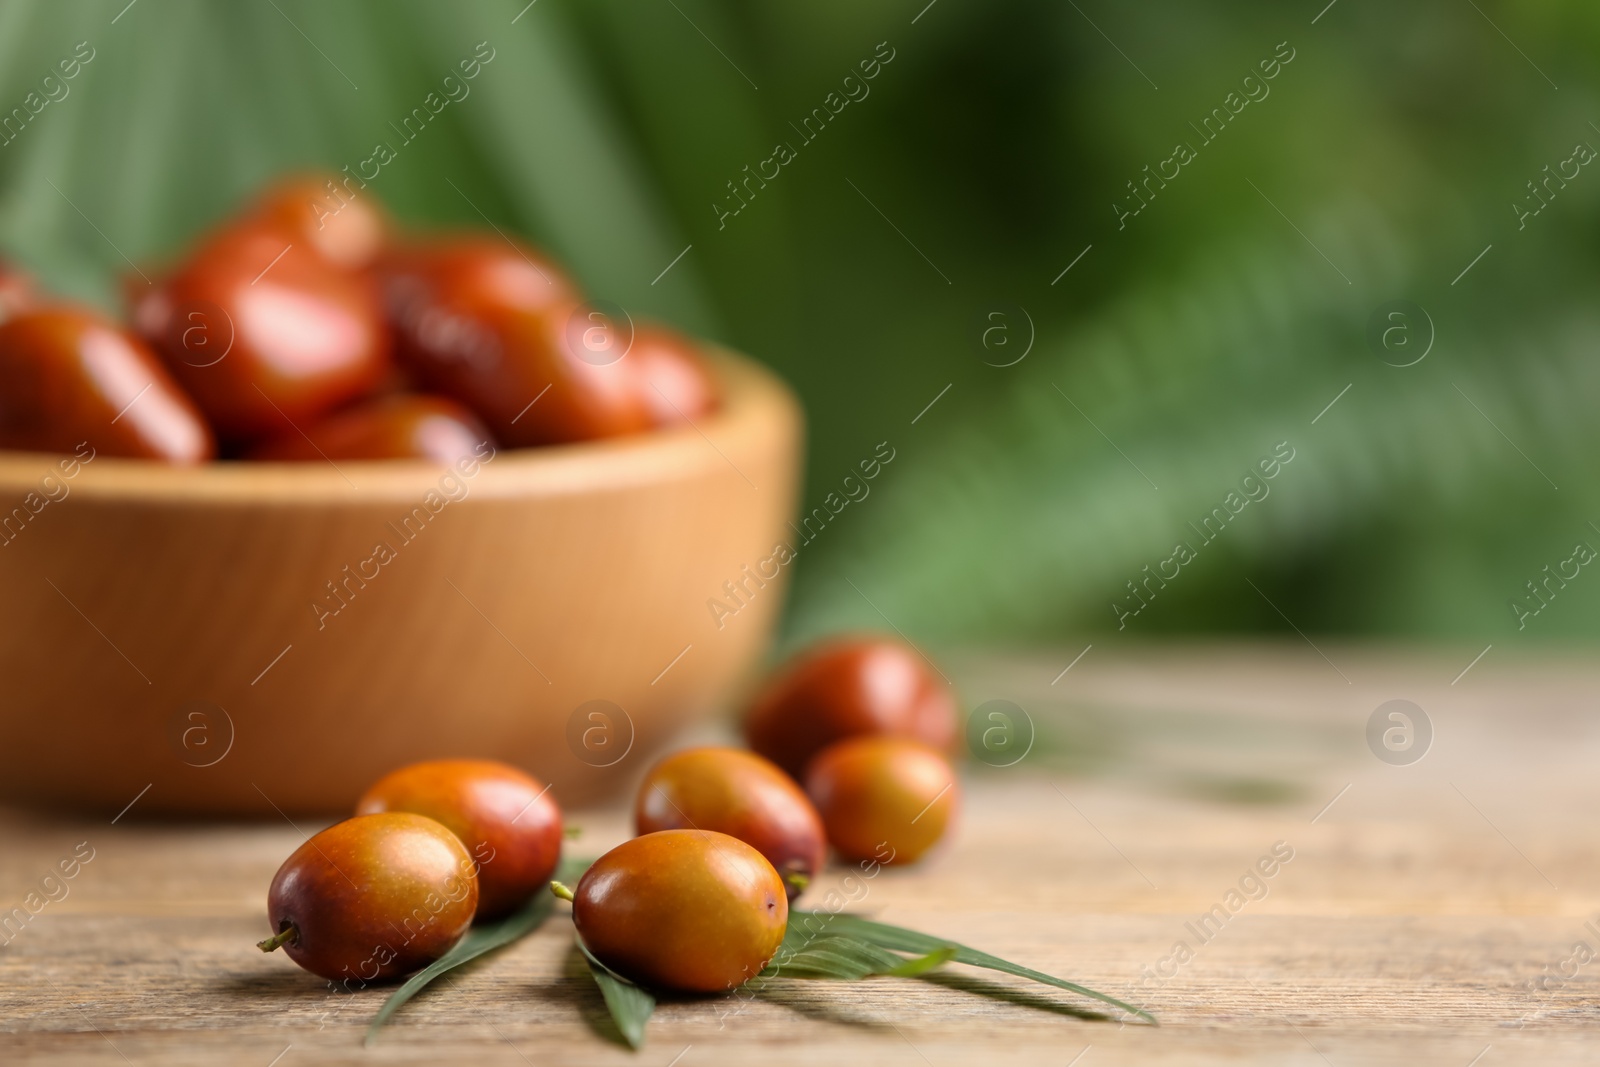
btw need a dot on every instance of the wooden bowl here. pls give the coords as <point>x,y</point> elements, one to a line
<point>259,638</point>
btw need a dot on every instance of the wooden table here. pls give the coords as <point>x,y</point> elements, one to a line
<point>1429,913</point>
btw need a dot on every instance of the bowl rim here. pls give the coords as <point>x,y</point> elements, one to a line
<point>754,403</point>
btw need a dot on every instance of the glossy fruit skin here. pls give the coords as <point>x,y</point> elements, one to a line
<point>848,687</point>
<point>374,897</point>
<point>69,376</point>
<point>17,290</point>
<point>263,333</point>
<point>688,910</point>
<point>740,794</point>
<point>334,219</point>
<point>506,819</point>
<point>446,269</point>
<point>887,799</point>
<point>399,426</point>
<point>673,377</point>
<point>500,329</point>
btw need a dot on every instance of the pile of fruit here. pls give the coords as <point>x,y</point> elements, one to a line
<point>307,327</point>
<point>851,744</point>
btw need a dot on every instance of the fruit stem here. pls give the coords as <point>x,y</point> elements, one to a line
<point>561,891</point>
<point>282,937</point>
<point>798,880</point>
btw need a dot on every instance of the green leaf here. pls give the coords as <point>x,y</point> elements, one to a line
<point>899,939</point>
<point>630,1005</point>
<point>800,957</point>
<point>480,939</point>
<point>920,965</point>
<point>849,958</point>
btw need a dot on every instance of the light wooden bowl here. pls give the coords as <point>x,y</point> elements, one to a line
<point>158,627</point>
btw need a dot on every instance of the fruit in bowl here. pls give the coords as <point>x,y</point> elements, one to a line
<point>73,377</point>
<point>351,575</point>
<point>310,315</point>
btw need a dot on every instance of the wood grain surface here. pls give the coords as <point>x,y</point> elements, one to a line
<point>1437,912</point>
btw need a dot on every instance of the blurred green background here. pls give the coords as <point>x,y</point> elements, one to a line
<point>1183,346</point>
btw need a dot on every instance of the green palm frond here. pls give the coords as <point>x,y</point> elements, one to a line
<point>1218,324</point>
<point>1025,518</point>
